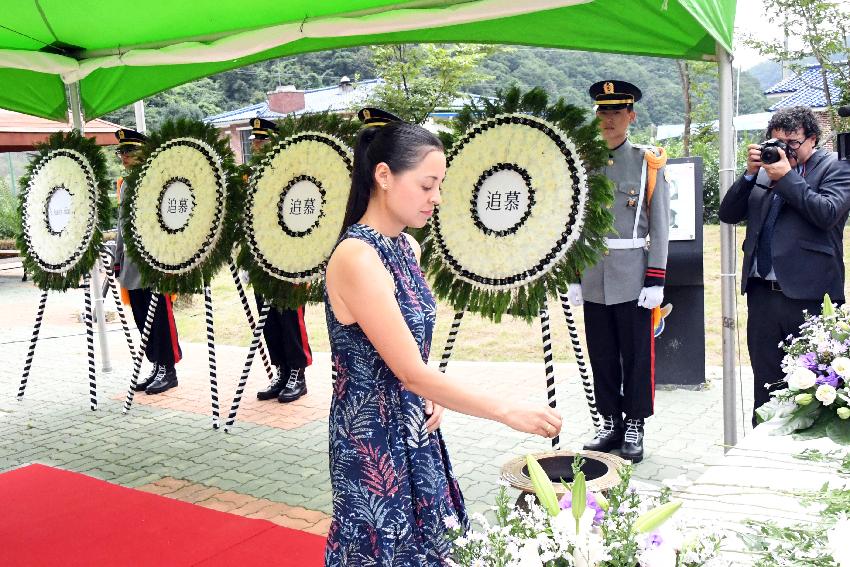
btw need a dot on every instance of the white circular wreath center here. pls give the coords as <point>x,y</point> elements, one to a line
<point>176,205</point>
<point>503,200</point>
<point>301,206</point>
<point>59,210</point>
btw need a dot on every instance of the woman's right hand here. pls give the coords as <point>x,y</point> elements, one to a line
<point>537,420</point>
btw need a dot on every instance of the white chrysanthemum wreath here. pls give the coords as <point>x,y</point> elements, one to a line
<point>178,205</point>
<point>295,206</point>
<point>513,202</point>
<point>60,210</point>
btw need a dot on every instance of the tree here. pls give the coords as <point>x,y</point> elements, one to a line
<point>421,78</point>
<point>822,28</point>
<point>685,77</point>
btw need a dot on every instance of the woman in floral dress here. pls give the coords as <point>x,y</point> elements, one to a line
<point>394,492</point>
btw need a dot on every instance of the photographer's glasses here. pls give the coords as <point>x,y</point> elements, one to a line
<point>795,144</point>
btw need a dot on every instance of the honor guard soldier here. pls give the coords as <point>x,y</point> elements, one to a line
<point>621,291</point>
<point>285,332</point>
<point>163,348</point>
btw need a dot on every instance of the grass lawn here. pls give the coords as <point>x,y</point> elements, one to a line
<point>479,339</point>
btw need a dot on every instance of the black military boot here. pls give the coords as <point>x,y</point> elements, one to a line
<point>141,385</point>
<point>295,387</point>
<point>163,382</point>
<point>632,448</point>
<point>275,386</point>
<point>609,436</point>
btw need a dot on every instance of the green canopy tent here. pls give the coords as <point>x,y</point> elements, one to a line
<point>98,55</point>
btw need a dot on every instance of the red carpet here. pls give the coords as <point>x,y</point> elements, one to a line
<point>54,517</point>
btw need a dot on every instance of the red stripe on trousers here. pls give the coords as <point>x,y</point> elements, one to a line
<point>305,345</point>
<point>652,359</point>
<point>172,328</point>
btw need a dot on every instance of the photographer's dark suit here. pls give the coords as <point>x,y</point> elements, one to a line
<point>807,253</point>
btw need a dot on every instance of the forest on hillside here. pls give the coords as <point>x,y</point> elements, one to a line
<point>559,72</point>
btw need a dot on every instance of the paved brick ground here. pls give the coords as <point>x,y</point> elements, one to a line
<point>274,463</point>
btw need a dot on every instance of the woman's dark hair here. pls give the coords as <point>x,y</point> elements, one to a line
<point>400,145</point>
<point>792,118</point>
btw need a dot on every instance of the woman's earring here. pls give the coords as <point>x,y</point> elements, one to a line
<point>385,187</point>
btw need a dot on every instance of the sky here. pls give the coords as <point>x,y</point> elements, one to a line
<point>750,18</point>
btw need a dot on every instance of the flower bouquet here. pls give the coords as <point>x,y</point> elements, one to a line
<point>815,401</point>
<point>582,529</point>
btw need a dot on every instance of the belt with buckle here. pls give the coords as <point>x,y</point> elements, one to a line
<point>772,285</point>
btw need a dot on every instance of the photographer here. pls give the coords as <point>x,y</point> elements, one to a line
<point>795,199</point>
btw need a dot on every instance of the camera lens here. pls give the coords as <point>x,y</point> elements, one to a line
<point>770,154</point>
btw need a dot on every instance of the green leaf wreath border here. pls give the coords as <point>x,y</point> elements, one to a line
<point>278,292</point>
<point>98,184</point>
<point>191,281</point>
<point>527,300</point>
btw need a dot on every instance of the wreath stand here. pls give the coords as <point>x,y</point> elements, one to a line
<point>47,197</point>
<point>208,156</point>
<point>88,318</point>
<point>492,210</point>
<point>145,336</point>
<point>586,378</point>
<point>312,235</point>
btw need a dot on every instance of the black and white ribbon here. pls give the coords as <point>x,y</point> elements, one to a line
<point>112,284</point>
<point>246,369</point>
<point>89,318</point>
<point>143,343</point>
<point>240,289</point>
<point>31,351</point>
<point>450,341</point>
<point>550,367</point>
<point>586,378</point>
<point>211,354</point>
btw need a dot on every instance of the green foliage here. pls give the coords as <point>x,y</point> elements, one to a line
<point>10,218</point>
<point>281,293</point>
<point>72,140</point>
<point>526,301</point>
<point>568,74</point>
<point>560,73</point>
<point>821,29</point>
<point>617,528</point>
<point>422,78</point>
<point>194,280</point>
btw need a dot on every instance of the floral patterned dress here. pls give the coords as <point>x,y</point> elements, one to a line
<point>392,482</point>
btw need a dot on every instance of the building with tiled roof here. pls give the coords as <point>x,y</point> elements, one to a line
<point>807,89</point>
<point>342,98</point>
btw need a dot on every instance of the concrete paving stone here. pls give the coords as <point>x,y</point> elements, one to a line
<point>271,491</point>
<point>320,528</point>
<point>322,502</point>
<point>238,477</point>
<point>668,472</point>
<point>152,442</point>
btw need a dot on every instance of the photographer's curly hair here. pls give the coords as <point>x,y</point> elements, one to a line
<point>790,119</point>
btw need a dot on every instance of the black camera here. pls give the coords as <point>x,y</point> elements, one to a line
<point>770,150</point>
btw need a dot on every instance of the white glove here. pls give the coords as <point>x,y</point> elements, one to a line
<point>574,294</point>
<point>651,297</point>
<point>243,275</point>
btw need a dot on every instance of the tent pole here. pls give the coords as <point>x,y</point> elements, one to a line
<point>727,251</point>
<point>139,110</point>
<point>79,124</point>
